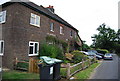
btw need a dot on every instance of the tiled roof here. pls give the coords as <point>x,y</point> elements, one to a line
<point>41,10</point>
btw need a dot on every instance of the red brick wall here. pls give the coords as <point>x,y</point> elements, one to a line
<point>17,32</point>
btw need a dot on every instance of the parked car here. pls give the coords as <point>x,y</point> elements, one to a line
<point>108,56</point>
<point>86,53</point>
<point>100,54</point>
<point>90,57</point>
<point>94,54</point>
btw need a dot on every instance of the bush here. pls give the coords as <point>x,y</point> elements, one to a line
<point>52,51</point>
<point>58,42</point>
<point>23,65</point>
<point>103,51</point>
<point>78,56</point>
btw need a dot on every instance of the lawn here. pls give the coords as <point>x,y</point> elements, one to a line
<point>85,74</point>
<point>19,75</point>
<point>24,75</point>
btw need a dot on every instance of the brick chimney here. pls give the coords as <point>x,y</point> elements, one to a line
<point>51,8</point>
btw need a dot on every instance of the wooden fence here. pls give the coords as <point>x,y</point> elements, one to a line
<point>32,65</point>
<point>73,69</point>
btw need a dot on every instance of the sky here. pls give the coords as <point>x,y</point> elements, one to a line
<point>85,15</point>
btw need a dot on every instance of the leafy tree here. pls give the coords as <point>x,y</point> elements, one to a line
<point>118,36</point>
<point>85,46</point>
<point>105,39</point>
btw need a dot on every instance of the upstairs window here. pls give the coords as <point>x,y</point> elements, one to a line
<point>52,27</point>
<point>35,20</point>
<point>33,48</point>
<point>61,30</point>
<point>1,47</point>
<point>71,33</point>
<point>2,17</point>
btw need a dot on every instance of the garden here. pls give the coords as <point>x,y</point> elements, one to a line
<point>74,63</point>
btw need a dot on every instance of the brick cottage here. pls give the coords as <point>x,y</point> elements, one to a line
<point>23,27</point>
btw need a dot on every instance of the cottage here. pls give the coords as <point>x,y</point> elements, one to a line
<point>24,25</point>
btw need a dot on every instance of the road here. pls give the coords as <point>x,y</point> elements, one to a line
<point>108,70</point>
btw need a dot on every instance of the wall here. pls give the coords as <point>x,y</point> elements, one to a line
<point>17,32</point>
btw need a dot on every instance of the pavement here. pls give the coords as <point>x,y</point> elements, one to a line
<point>108,70</point>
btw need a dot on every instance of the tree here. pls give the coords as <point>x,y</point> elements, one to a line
<point>105,39</point>
<point>85,46</point>
<point>118,36</point>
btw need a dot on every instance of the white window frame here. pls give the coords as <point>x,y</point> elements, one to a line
<point>1,49</point>
<point>52,26</point>
<point>35,20</point>
<point>61,30</point>
<point>34,54</point>
<point>2,17</point>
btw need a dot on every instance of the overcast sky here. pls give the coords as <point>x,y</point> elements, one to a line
<point>85,15</point>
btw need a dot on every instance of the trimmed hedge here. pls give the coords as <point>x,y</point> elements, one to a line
<point>103,51</point>
<point>78,56</point>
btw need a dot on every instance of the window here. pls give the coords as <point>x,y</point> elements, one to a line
<point>2,17</point>
<point>35,20</point>
<point>33,48</point>
<point>1,47</point>
<point>71,34</point>
<point>61,30</point>
<point>52,27</point>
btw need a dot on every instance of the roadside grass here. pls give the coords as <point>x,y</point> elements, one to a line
<point>85,74</point>
<point>19,75</point>
<point>63,72</point>
<point>24,75</point>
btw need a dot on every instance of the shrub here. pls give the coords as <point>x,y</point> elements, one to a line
<point>103,51</point>
<point>52,51</point>
<point>78,56</point>
<point>23,65</point>
<point>58,42</point>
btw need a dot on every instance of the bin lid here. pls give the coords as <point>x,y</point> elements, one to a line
<point>47,60</point>
<point>57,60</point>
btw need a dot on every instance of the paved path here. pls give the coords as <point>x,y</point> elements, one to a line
<point>108,69</point>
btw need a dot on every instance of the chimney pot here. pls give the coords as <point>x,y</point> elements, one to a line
<point>51,8</point>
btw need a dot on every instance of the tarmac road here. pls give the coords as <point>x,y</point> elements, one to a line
<point>108,70</point>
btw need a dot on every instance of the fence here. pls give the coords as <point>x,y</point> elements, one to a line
<point>30,66</point>
<point>33,67</point>
<point>73,69</point>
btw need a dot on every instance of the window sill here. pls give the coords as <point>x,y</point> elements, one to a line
<point>33,55</point>
<point>35,25</point>
<point>61,33</point>
<point>51,30</point>
<point>1,54</point>
<point>2,22</point>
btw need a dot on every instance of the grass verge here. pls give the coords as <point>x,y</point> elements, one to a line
<point>85,74</point>
<point>19,75</point>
